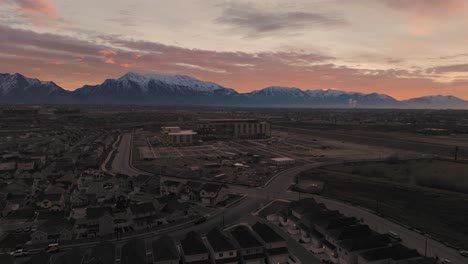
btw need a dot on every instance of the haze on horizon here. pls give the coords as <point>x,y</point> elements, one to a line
<point>397,47</point>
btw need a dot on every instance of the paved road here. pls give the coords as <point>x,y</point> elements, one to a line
<point>277,188</point>
<point>121,163</point>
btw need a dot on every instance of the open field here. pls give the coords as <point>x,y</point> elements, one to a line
<point>438,174</point>
<point>441,214</point>
<point>246,162</point>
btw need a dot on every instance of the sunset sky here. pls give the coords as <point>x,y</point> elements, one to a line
<point>404,48</point>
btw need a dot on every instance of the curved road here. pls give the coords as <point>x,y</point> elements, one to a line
<point>277,188</point>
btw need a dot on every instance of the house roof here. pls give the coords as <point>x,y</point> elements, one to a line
<point>349,232</point>
<point>193,244</point>
<point>53,197</point>
<point>376,241</point>
<point>55,227</point>
<point>336,223</point>
<point>103,253</point>
<point>267,233</point>
<point>244,237</point>
<point>97,212</point>
<point>219,241</point>
<point>396,252</point>
<point>142,208</point>
<point>133,252</point>
<point>172,183</point>
<point>212,187</point>
<point>40,257</point>
<point>194,185</point>
<point>165,249</point>
<point>74,256</point>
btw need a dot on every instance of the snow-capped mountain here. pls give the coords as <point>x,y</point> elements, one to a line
<point>16,88</point>
<point>160,89</point>
<point>156,89</point>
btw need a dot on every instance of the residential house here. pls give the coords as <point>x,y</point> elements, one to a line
<point>275,245</point>
<point>350,232</point>
<point>97,221</point>
<point>144,215</point>
<point>103,253</point>
<point>53,231</point>
<point>51,201</point>
<point>194,250</point>
<point>251,249</point>
<point>171,187</point>
<point>349,249</point>
<point>165,251</point>
<point>213,193</point>
<point>221,247</point>
<point>134,252</point>
<point>387,254</point>
<point>191,191</point>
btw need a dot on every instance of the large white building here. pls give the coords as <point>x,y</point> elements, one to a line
<point>233,128</point>
<point>175,136</point>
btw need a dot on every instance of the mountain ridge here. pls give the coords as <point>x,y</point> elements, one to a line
<point>158,89</point>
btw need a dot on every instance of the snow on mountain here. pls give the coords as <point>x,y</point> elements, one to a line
<point>436,99</point>
<point>278,91</point>
<point>14,82</point>
<point>176,80</point>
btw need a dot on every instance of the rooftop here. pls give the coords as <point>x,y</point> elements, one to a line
<point>245,238</point>
<point>165,249</point>
<point>193,244</point>
<point>267,233</point>
<point>219,241</point>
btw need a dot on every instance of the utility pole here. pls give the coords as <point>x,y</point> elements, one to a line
<point>456,153</point>
<point>425,246</point>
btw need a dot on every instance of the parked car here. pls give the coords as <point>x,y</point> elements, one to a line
<point>394,235</point>
<point>445,261</point>
<point>464,253</point>
<point>52,248</point>
<point>19,252</point>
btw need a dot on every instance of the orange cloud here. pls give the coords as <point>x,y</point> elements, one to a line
<point>39,8</point>
<point>109,61</point>
<point>107,52</point>
<point>126,65</point>
<point>55,62</point>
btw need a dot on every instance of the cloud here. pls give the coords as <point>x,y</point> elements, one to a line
<point>107,52</point>
<point>426,15</point>
<point>255,21</point>
<point>42,13</point>
<point>109,61</point>
<point>126,65</point>
<point>449,68</point>
<point>29,52</point>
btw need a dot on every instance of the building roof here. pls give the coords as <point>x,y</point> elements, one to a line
<point>133,252</point>
<point>172,183</point>
<point>53,197</point>
<point>376,241</point>
<point>194,185</point>
<point>244,237</point>
<point>350,232</point>
<point>267,233</point>
<point>73,256</point>
<point>96,212</point>
<point>103,253</point>
<point>193,244</point>
<point>219,241</point>
<point>212,187</point>
<point>56,226</point>
<point>40,257</point>
<point>336,223</point>
<point>143,208</point>
<point>165,249</point>
<point>396,252</point>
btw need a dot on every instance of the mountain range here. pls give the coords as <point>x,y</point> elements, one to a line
<point>154,89</point>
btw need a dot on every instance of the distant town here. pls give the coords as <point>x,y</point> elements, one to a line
<point>141,184</point>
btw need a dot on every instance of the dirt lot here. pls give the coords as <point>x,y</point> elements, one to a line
<point>439,174</point>
<point>442,214</point>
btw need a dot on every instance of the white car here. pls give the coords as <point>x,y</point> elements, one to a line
<point>19,252</point>
<point>445,261</point>
<point>464,253</point>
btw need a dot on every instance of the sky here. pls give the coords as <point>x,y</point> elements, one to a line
<point>403,48</point>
